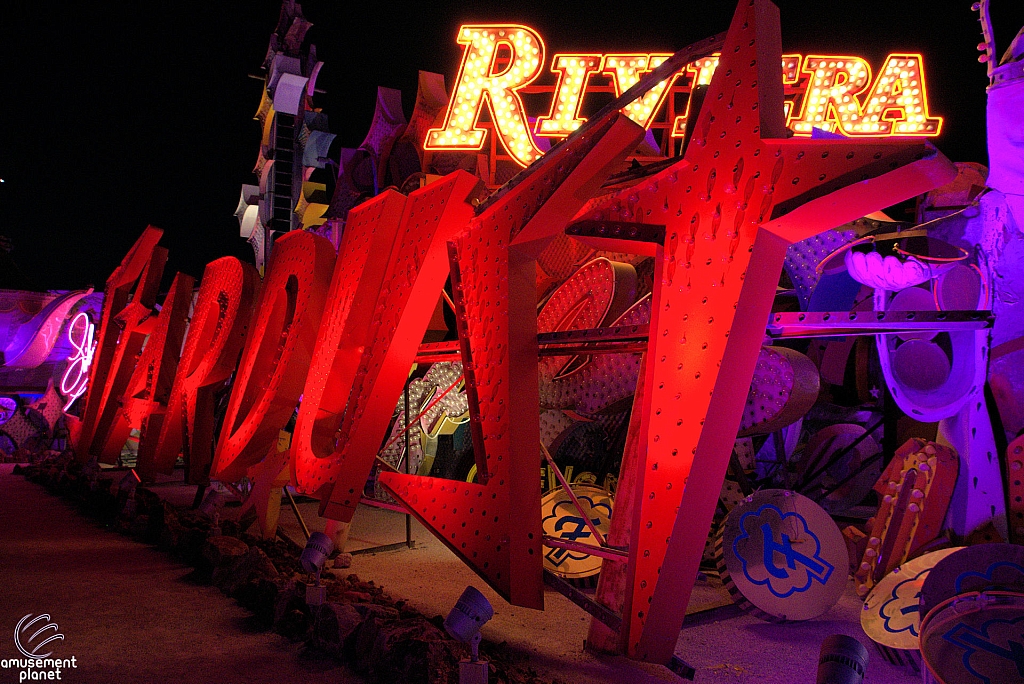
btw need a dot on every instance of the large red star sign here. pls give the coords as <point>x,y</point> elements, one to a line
<point>744,190</point>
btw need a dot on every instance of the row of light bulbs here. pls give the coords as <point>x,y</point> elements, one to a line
<point>896,104</point>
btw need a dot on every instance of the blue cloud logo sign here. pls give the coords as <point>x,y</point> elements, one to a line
<point>33,633</point>
<point>902,612</point>
<point>565,522</point>
<point>768,554</point>
<point>1001,576</point>
<point>992,650</point>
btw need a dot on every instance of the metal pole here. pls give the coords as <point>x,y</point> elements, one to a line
<point>200,492</point>
<point>408,518</point>
<point>863,467</point>
<point>572,497</point>
<point>891,416</point>
<point>818,472</point>
<point>295,510</point>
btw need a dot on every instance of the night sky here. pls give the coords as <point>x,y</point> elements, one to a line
<point>116,115</point>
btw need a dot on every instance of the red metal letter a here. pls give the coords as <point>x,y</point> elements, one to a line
<point>144,400</point>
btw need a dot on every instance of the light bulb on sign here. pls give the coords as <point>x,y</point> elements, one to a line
<point>626,71</point>
<point>899,96</point>
<point>481,82</point>
<point>76,377</point>
<point>833,93</point>
<point>831,102</point>
<point>572,70</point>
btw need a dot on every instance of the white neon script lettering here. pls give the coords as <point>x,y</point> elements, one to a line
<point>76,377</point>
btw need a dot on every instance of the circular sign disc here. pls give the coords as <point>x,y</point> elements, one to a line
<point>561,519</point>
<point>782,556</point>
<point>975,638</point>
<point>921,365</point>
<point>983,567</point>
<point>914,299</point>
<point>892,613</point>
<point>821,449</point>
<point>959,289</point>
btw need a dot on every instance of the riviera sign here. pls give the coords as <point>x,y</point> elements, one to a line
<point>833,93</point>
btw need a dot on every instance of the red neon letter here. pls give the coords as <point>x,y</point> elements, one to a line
<point>701,71</point>
<point>144,400</point>
<point>495,526</point>
<point>626,71</point>
<point>897,103</point>
<point>717,274</point>
<point>573,73</point>
<point>370,232</point>
<point>411,287</point>
<point>830,103</point>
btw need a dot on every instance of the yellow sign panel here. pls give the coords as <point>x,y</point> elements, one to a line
<point>562,520</point>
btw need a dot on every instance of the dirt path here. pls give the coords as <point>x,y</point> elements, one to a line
<point>128,611</point>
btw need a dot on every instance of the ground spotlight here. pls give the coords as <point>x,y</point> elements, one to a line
<point>843,660</point>
<point>464,621</point>
<point>318,547</point>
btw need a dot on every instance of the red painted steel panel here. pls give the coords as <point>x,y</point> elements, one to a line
<point>134,274</point>
<point>133,321</point>
<point>412,285</point>
<point>142,405</point>
<point>370,232</point>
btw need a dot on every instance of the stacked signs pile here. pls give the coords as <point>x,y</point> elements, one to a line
<point>612,324</point>
<point>961,608</point>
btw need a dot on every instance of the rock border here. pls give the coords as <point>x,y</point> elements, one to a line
<point>360,625</point>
